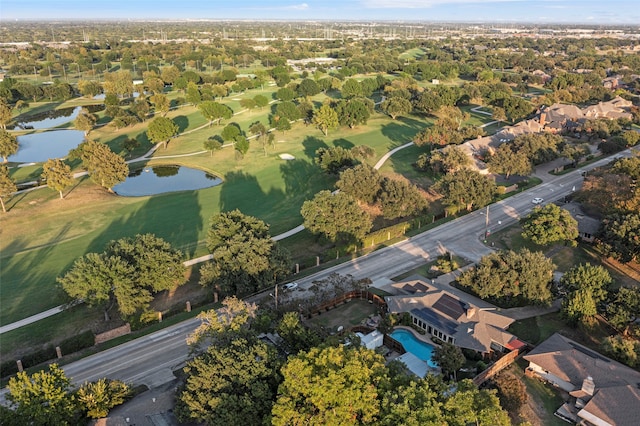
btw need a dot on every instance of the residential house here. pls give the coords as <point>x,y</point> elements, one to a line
<point>452,319</point>
<point>557,117</point>
<point>587,226</point>
<point>613,109</point>
<point>603,392</point>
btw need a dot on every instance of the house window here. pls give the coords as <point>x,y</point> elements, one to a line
<point>430,330</point>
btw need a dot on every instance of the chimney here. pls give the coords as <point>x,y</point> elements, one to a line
<point>543,118</point>
<point>471,311</point>
<point>588,386</point>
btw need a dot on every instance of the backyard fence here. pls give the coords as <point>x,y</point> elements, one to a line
<point>498,366</point>
<point>346,297</point>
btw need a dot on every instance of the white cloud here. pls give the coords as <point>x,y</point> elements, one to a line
<point>301,6</point>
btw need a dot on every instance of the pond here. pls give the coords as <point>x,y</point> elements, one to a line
<point>53,118</point>
<point>50,119</point>
<point>38,147</point>
<point>153,180</point>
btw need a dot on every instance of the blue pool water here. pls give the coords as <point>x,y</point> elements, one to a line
<point>419,348</point>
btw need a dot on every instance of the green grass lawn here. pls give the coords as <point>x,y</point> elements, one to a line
<point>42,236</point>
<point>346,315</point>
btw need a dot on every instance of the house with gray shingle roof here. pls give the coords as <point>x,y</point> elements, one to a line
<point>451,319</point>
<point>604,392</point>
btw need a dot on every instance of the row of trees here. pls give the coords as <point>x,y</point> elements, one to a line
<point>47,398</point>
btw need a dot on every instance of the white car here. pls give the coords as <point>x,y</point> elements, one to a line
<point>290,286</point>
<point>537,200</point>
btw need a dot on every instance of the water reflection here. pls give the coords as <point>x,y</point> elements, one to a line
<point>38,147</point>
<point>53,118</point>
<point>153,180</point>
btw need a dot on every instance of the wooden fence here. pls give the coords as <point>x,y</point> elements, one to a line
<point>498,366</point>
<point>346,297</point>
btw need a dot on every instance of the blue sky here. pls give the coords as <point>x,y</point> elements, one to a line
<point>539,11</point>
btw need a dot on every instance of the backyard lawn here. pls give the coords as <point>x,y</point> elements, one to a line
<point>346,315</point>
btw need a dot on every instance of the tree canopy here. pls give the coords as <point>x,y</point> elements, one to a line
<point>511,278</point>
<point>587,286</point>
<point>127,273</point>
<point>335,159</point>
<point>325,118</point>
<point>105,167</point>
<point>465,189</point>
<point>57,175</point>
<point>214,111</point>
<point>549,224</point>
<point>337,217</point>
<point>161,129</point>
<point>7,185</point>
<point>620,236</point>
<point>8,144</point>
<point>245,258</point>
<point>310,393</point>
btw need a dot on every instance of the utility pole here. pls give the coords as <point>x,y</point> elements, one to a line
<point>486,224</point>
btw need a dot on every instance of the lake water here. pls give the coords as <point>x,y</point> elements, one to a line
<point>39,147</point>
<point>153,180</point>
<point>50,119</point>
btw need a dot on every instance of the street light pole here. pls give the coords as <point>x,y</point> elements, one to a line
<point>486,224</point>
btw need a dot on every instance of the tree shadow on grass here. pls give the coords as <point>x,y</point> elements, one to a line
<point>343,143</point>
<point>311,144</point>
<point>298,176</point>
<point>242,191</point>
<point>182,121</point>
<point>403,130</point>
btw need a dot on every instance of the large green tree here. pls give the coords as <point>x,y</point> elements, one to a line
<point>57,174</point>
<point>335,159</point>
<point>245,258</point>
<point>43,398</point>
<point>511,277</point>
<point>400,199</point>
<point>161,129</point>
<point>234,384</point>
<point>620,236</point>
<point>352,112</point>
<point>128,273</point>
<point>450,358</point>
<point>396,106</point>
<point>8,144</point>
<point>214,111</point>
<point>330,386</point>
<point>465,189</point>
<point>105,167</point>
<point>97,398</point>
<point>85,121</point>
<point>549,224</point>
<point>337,216</point>
<point>362,182</point>
<point>508,162</point>
<point>7,185</point>
<point>587,286</point>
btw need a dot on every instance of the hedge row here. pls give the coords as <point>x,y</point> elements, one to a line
<point>67,346</point>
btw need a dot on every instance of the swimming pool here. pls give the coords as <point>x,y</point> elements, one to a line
<point>421,349</point>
